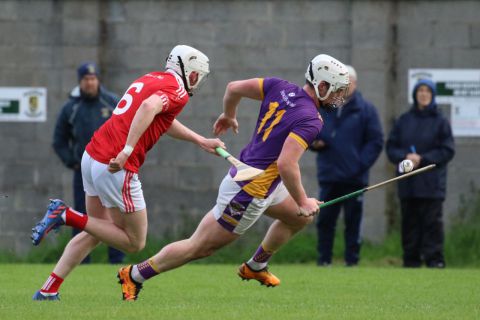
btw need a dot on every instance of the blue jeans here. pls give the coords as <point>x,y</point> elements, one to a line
<point>327,220</point>
<point>114,255</point>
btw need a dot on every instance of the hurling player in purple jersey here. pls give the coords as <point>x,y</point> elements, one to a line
<point>288,122</point>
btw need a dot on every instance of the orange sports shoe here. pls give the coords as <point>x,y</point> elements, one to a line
<point>263,276</point>
<point>130,288</point>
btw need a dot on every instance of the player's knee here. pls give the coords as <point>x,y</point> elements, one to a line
<point>136,246</point>
<point>139,245</point>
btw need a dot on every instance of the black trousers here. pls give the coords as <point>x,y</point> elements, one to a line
<point>327,220</point>
<point>422,232</point>
<point>114,255</point>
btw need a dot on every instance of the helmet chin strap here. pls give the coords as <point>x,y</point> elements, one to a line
<point>184,78</point>
<point>332,105</point>
<point>327,106</point>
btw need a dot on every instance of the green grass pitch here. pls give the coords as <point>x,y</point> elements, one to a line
<point>202,291</point>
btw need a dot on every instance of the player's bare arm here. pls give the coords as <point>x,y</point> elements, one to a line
<point>144,116</point>
<point>289,170</point>
<point>235,91</point>
<point>180,131</point>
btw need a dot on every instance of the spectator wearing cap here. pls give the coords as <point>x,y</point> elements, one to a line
<point>348,145</point>
<point>423,135</point>
<point>88,107</point>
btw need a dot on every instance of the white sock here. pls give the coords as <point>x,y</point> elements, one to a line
<point>136,275</point>
<point>256,266</point>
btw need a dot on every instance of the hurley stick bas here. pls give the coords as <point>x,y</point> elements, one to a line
<point>244,171</point>
<point>378,185</point>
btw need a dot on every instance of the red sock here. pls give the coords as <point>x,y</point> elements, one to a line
<point>52,284</point>
<point>75,219</point>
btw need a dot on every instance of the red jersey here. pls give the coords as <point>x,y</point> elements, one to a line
<point>111,137</point>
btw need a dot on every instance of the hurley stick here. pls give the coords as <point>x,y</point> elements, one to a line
<point>244,171</point>
<point>378,185</point>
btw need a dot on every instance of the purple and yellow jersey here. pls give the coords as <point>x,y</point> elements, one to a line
<point>286,111</point>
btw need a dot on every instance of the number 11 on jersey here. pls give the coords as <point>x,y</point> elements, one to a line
<point>272,107</point>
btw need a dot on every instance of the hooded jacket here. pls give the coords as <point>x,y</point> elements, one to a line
<point>353,139</point>
<point>429,133</point>
<point>79,118</point>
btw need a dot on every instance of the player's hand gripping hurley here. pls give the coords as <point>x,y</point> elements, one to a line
<point>381,184</point>
<point>244,171</point>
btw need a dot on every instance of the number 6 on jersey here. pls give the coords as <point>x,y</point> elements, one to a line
<point>127,98</point>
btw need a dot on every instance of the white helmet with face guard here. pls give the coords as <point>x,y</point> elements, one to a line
<point>184,60</point>
<point>326,68</point>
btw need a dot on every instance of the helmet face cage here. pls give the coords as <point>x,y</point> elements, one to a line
<point>337,97</point>
<point>336,94</point>
<point>201,81</point>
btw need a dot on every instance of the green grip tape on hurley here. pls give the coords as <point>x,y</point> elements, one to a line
<point>222,152</point>
<point>347,196</point>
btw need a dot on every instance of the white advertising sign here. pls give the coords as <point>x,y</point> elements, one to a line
<point>458,95</point>
<point>23,104</point>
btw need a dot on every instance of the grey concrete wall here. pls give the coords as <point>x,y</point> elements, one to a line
<point>42,42</point>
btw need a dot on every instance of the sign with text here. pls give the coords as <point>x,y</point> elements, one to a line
<point>23,104</point>
<point>458,95</point>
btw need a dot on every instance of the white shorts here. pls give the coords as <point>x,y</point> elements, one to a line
<point>121,190</point>
<point>237,211</point>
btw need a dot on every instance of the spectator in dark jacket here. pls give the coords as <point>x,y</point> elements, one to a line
<point>424,136</point>
<point>88,107</point>
<point>348,145</point>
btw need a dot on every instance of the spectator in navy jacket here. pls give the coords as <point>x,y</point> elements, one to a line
<point>348,145</point>
<point>88,107</point>
<point>424,136</point>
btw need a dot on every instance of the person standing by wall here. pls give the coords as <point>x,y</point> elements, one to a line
<point>424,136</point>
<point>348,145</point>
<point>88,107</point>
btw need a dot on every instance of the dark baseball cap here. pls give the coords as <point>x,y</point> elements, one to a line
<point>87,68</point>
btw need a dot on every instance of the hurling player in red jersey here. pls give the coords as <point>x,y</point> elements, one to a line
<point>116,208</point>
